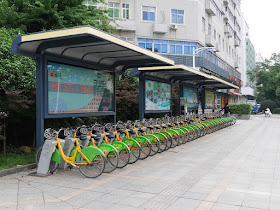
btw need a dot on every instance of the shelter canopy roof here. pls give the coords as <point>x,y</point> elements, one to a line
<point>88,45</point>
<point>184,75</point>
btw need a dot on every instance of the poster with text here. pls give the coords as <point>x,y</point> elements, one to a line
<point>209,99</point>
<point>73,90</point>
<point>191,94</point>
<point>157,96</point>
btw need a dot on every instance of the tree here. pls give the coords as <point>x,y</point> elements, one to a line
<point>33,16</point>
<point>268,80</point>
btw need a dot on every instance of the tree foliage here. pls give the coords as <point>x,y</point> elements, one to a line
<point>17,75</point>
<point>33,16</point>
<point>268,80</point>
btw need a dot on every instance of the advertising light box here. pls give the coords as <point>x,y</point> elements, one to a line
<point>73,90</point>
<point>157,96</point>
<point>191,94</point>
<point>209,99</point>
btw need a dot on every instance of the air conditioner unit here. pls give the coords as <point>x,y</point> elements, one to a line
<point>174,27</point>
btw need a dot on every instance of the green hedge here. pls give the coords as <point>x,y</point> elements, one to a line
<point>243,108</point>
<point>276,111</point>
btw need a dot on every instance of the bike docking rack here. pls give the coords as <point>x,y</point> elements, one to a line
<point>110,146</point>
<point>76,77</point>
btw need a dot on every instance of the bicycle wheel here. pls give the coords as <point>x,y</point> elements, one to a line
<point>134,153</point>
<point>154,147</point>
<point>53,165</point>
<point>175,141</point>
<point>95,168</point>
<point>168,143</point>
<point>111,162</point>
<point>123,158</point>
<point>181,139</point>
<point>162,144</point>
<point>145,150</point>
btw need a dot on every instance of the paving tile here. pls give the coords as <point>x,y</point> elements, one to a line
<point>274,203</point>
<point>220,206</point>
<point>256,201</point>
<point>31,207</point>
<point>184,203</point>
<point>133,202</point>
<point>195,195</point>
<point>233,198</point>
<point>58,206</point>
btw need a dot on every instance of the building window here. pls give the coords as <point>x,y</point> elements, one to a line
<point>215,34</point>
<point>89,3</point>
<point>176,47</point>
<point>223,45</point>
<point>149,13</point>
<point>203,24</point>
<point>177,16</point>
<point>209,29</point>
<point>125,11</point>
<point>220,40</point>
<point>227,48</point>
<point>114,10</point>
<point>229,51</point>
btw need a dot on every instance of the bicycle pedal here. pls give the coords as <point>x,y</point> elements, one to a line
<point>73,166</point>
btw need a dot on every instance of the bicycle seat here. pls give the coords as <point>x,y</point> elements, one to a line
<point>132,131</point>
<point>96,136</point>
<point>83,137</point>
<point>122,131</point>
<point>157,126</point>
<point>142,130</point>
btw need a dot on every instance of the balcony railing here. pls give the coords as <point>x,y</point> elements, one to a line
<point>210,8</point>
<point>209,41</point>
<point>227,72</point>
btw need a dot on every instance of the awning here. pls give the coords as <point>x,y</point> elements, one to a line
<point>90,46</point>
<point>184,75</point>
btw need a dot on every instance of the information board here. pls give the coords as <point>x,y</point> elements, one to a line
<point>74,89</point>
<point>191,94</point>
<point>209,99</point>
<point>157,96</point>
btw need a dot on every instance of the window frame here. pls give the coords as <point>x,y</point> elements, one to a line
<point>203,25</point>
<point>114,9</point>
<point>149,21</point>
<point>127,11</point>
<point>177,17</point>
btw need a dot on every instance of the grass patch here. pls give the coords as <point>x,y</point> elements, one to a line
<point>14,158</point>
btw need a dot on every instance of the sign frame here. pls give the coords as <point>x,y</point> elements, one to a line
<point>48,59</point>
<point>160,110</point>
<point>205,99</point>
<point>183,87</point>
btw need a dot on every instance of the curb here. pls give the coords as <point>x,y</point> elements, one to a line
<point>17,169</point>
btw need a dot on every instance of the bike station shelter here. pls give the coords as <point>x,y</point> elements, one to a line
<point>152,80</point>
<point>76,70</point>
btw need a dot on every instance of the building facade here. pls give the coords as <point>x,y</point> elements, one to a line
<point>176,29</point>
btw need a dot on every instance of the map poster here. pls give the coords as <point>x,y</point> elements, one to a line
<point>74,90</point>
<point>191,94</point>
<point>157,96</point>
<point>209,99</point>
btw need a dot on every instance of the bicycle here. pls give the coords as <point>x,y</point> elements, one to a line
<point>89,160</point>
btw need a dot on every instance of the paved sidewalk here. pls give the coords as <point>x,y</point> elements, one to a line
<point>235,168</point>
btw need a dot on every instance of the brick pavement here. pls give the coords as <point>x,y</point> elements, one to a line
<point>234,168</point>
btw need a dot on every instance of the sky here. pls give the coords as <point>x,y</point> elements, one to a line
<point>263,18</point>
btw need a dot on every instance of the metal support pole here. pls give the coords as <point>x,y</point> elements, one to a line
<point>141,98</point>
<point>39,102</point>
<point>203,100</point>
<point>193,59</point>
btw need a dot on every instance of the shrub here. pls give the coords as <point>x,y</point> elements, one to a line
<point>268,104</point>
<point>276,111</point>
<point>243,108</point>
